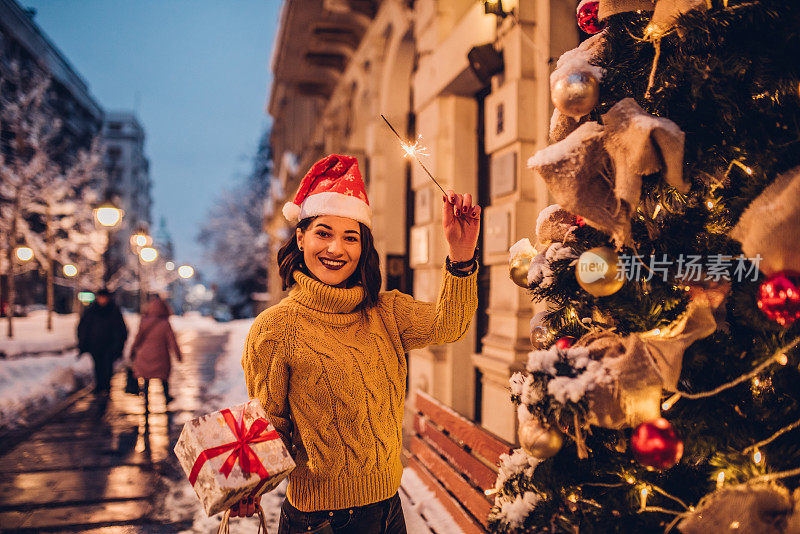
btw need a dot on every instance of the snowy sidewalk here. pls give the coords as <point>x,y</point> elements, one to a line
<point>31,382</point>
<point>31,335</point>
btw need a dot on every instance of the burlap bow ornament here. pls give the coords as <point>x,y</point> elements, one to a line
<point>596,171</point>
<point>765,508</point>
<point>664,11</point>
<point>643,364</point>
<point>769,226</point>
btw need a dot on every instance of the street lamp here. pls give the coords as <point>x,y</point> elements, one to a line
<point>140,240</point>
<point>185,271</point>
<point>148,254</point>
<point>24,253</point>
<point>108,216</point>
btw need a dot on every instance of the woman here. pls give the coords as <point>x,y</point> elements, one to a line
<point>152,345</point>
<point>328,362</point>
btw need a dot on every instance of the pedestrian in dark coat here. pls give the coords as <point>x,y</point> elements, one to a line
<point>153,344</point>
<point>102,333</point>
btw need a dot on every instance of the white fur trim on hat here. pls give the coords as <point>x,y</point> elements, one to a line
<point>291,211</point>
<point>331,203</point>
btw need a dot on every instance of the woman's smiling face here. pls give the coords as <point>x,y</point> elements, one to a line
<point>331,248</point>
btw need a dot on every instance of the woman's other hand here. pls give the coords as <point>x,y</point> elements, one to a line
<point>462,223</point>
<point>246,507</point>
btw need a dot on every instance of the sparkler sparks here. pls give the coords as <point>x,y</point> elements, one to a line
<point>413,151</point>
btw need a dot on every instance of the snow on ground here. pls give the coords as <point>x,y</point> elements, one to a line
<point>31,334</point>
<point>419,502</point>
<point>29,384</point>
<point>227,389</point>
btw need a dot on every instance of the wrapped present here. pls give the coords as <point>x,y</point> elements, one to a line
<point>232,454</point>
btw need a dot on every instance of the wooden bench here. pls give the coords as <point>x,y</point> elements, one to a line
<point>457,460</point>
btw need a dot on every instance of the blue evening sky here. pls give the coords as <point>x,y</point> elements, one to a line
<point>197,73</point>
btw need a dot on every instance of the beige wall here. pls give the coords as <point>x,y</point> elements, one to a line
<point>415,62</point>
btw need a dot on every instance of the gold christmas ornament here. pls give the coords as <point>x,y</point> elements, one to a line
<point>519,261</point>
<point>538,441</point>
<point>518,270</point>
<point>596,272</point>
<point>575,93</point>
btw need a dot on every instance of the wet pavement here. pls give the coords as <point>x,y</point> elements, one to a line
<point>96,468</point>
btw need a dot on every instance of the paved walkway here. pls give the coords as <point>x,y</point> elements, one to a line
<point>95,468</point>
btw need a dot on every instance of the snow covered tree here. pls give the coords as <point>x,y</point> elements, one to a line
<point>61,204</point>
<point>234,237</point>
<point>663,392</point>
<point>27,133</point>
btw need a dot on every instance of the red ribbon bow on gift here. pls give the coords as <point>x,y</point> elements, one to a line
<point>240,449</point>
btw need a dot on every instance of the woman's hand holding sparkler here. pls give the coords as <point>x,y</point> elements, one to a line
<point>462,223</point>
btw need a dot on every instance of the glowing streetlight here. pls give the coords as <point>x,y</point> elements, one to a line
<point>108,215</point>
<point>185,271</point>
<point>140,239</point>
<point>148,254</point>
<point>70,270</point>
<point>170,266</point>
<point>24,253</point>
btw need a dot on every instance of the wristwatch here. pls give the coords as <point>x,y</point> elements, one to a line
<point>456,268</point>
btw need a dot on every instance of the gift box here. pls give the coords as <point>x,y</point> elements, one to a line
<point>232,454</point>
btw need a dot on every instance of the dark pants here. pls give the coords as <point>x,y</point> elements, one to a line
<point>382,517</point>
<point>102,372</point>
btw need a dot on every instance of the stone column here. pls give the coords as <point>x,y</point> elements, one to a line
<point>517,116</point>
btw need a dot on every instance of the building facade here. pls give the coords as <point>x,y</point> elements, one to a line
<point>474,89</point>
<point>129,184</point>
<point>27,54</point>
<point>23,43</point>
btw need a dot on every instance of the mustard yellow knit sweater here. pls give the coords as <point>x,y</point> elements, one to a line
<point>333,382</point>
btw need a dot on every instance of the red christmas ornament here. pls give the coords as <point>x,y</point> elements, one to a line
<point>655,444</point>
<point>580,220</point>
<point>779,297</point>
<point>587,17</point>
<point>565,342</point>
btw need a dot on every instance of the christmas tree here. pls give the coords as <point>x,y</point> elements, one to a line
<point>663,391</point>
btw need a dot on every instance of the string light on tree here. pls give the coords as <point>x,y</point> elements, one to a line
<point>70,270</point>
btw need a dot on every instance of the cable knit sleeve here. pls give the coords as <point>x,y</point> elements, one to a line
<point>426,323</point>
<point>266,371</point>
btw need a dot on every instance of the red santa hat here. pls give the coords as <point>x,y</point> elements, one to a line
<point>333,186</point>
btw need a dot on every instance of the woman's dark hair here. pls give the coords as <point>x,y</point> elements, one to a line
<point>367,274</point>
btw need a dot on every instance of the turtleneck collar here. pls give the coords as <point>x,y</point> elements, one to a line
<point>324,298</point>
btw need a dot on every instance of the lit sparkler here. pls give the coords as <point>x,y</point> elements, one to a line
<point>413,151</point>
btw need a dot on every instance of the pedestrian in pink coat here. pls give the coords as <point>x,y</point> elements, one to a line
<point>152,346</point>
